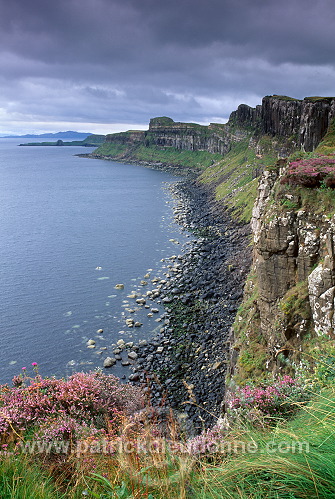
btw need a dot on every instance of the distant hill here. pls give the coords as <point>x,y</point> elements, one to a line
<point>59,135</point>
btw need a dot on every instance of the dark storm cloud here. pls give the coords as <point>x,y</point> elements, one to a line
<point>128,60</point>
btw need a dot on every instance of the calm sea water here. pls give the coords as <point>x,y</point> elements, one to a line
<point>70,229</point>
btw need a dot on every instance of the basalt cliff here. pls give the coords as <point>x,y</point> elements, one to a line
<point>296,124</point>
<point>286,314</point>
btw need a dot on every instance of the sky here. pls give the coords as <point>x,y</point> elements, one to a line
<point>104,66</point>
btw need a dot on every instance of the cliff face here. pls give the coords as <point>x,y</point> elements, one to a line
<point>306,121</point>
<point>189,136</point>
<point>295,124</point>
<point>289,248</point>
<point>290,294</point>
<point>131,137</point>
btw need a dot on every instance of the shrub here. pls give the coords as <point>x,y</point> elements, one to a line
<point>276,399</point>
<point>311,172</point>
<point>62,408</point>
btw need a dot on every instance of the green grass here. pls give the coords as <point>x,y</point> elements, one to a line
<point>21,479</point>
<point>113,150</point>
<point>318,99</point>
<point>296,460</point>
<point>94,139</point>
<point>285,98</point>
<point>234,178</point>
<point>327,145</point>
<point>155,154</point>
<point>170,155</point>
<point>313,200</point>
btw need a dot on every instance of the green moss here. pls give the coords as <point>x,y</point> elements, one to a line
<point>295,301</point>
<point>249,341</point>
<point>251,361</point>
<point>285,98</point>
<point>318,99</point>
<point>327,145</point>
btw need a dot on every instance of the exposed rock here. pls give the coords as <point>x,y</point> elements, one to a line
<point>293,250</point>
<point>307,120</point>
<point>119,286</point>
<point>109,362</point>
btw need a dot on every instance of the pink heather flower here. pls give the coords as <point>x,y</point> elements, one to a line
<point>23,368</point>
<point>34,363</point>
<point>310,172</point>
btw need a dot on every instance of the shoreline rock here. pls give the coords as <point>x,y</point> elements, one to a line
<point>184,365</point>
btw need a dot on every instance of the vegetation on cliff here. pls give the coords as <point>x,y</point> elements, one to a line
<point>234,178</point>
<point>255,138</point>
<point>279,442</point>
<point>230,156</point>
<point>156,155</point>
<point>295,238</point>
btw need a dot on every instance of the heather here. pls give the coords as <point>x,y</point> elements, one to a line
<point>49,408</point>
<point>317,171</point>
<point>278,398</point>
<point>91,436</point>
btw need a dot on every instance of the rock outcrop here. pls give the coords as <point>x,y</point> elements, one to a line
<point>164,132</point>
<point>295,124</point>
<point>304,121</point>
<point>132,137</point>
<point>293,274</point>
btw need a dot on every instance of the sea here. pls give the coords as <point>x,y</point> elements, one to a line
<point>71,229</point>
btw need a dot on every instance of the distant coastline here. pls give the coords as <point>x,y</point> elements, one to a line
<point>69,134</point>
<point>88,141</point>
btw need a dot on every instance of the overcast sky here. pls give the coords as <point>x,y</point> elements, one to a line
<point>110,65</point>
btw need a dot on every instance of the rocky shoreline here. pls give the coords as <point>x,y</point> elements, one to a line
<point>184,366</point>
<point>182,171</point>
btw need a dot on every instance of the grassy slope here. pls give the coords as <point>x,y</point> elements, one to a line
<point>327,145</point>
<point>296,460</point>
<point>154,154</point>
<point>234,178</point>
